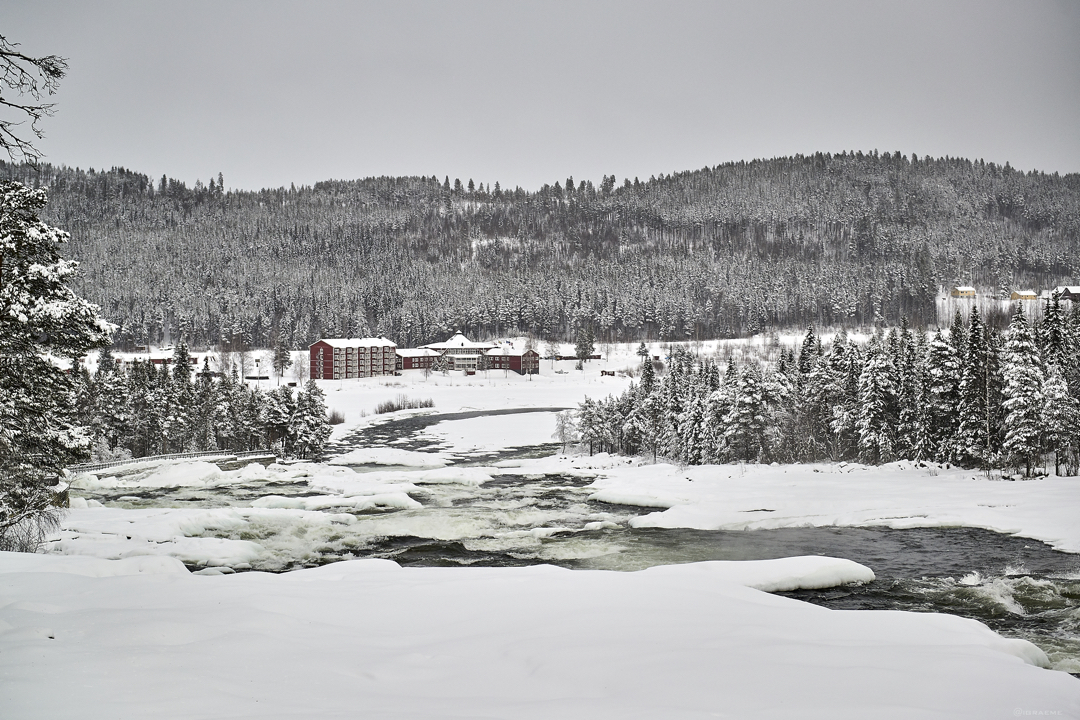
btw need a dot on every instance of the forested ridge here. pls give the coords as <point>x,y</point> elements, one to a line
<point>849,239</point>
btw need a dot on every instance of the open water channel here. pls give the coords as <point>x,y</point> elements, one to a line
<point>1020,588</point>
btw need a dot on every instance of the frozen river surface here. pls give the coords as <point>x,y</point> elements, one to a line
<point>475,507</point>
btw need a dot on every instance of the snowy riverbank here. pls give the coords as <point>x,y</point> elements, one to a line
<point>143,638</point>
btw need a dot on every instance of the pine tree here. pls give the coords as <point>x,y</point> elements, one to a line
<point>909,391</point>
<point>745,422</point>
<point>942,400</point>
<point>877,414</point>
<point>583,347</point>
<point>692,430</point>
<point>648,373</point>
<point>1061,420</point>
<point>281,360</point>
<point>976,434</point>
<point>39,316</point>
<point>589,425</point>
<point>310,426</point>
<point>1023,400</point>
<point>841,398</point>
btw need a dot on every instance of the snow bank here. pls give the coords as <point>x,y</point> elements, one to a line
<point>359,503</point>
<point>457,475</point>
<point>389,456</point>
<point>12,562</point>
<point>810,572</point>
<point>898,495</point>
<point>366,638</point>
<point>188,473</point>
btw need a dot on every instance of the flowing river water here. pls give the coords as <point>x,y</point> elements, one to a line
<point>1019,587</point>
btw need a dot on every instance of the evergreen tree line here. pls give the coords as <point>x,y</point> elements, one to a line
<point>147,410</point>
<point>851,239</point>
<point>974,397</point>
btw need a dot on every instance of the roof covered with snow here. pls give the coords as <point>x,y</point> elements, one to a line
<point>416,352</point>
<point>509,351</point>
<point>457,342</point>
<point>356,342</point>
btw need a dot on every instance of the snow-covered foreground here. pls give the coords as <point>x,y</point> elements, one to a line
<point>140,638</point>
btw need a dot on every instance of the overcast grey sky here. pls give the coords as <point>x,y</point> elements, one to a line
<point>525,93</point>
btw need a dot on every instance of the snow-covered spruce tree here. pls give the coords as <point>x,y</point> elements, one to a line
<point>909,390</point>
<point>811,404</point>
<point>309,425</point>
<point>40,317</point>
<point>648,373</point>
<point>1061,419</point>
<point>745,423</point>
<point>975,440</point>
<point>877,413</point>
<point>692,429</point>
<point>583,342</point>
<point>589,426</point>
<point>278,412</point>
<point>1023,395</point>
<point>1053,333</point>
<point>844,402</point>
<point>780,399</point>
<point>942,411</point>
<point>718,406</point>
<point>920,433</point>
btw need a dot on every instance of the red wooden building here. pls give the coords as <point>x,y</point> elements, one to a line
<point>415,358</point>
<point>523,362</point>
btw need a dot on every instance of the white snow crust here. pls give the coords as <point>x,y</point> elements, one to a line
<point>369,639</point>
<point>389,456</point>
<point>898,495</point>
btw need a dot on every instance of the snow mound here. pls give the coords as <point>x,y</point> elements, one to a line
<point>398,500</point>
<point>810,572</point>
<point>458,475</point>
<point>190,473</point>
<point>389,456</point>
<point>13,562</point>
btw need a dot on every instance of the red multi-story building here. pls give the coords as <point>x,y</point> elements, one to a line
<point>337,358</point>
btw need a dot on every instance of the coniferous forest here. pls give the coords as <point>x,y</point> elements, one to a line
<point>851,239</point>
<point>975,397</point>
<point>150,411</point>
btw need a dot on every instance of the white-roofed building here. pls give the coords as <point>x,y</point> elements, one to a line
<point>1067,292</point>
<point>523,362</point>
<point>416,358</point>
<point>337,358</point>
<point>461,353</point>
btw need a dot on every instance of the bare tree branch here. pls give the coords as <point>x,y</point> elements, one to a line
<point>22,75</point>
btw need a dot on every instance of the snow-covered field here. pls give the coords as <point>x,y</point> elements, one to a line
<point>113,625</point>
